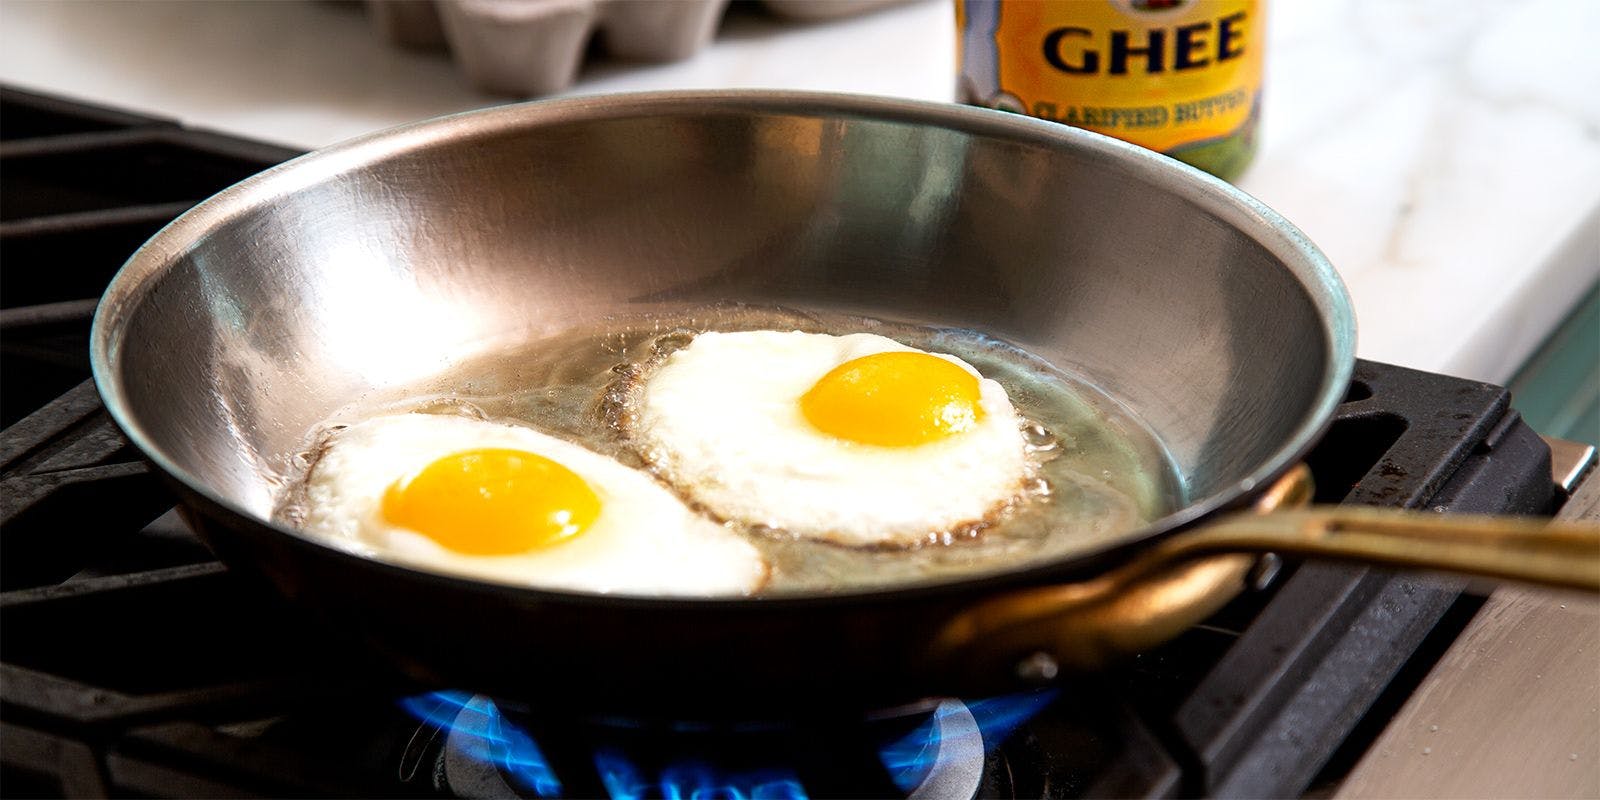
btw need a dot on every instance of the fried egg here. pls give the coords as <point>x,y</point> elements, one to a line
<point>508,504</point>
<point>858,439</point>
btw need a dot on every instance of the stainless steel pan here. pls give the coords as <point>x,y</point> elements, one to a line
<point>382,261</point>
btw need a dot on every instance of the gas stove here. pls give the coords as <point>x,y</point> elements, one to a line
<point>131,662</point>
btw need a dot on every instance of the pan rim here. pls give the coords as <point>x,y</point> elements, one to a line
<point>1292,248</point>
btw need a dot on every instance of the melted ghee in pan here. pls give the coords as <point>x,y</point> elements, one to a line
<point>1100,471</point>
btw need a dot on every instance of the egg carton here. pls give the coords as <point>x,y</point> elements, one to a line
<point>534,47</point>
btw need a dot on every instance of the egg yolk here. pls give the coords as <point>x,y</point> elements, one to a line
<point>894,399</point>
<point>493,501</point>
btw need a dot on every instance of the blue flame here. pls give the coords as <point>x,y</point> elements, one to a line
<point>693,780</point>
<point>998,717</point>
<point>912,757</point>
<point>488,737</point>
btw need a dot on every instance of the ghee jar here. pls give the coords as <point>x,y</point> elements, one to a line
<point>1182,77</point>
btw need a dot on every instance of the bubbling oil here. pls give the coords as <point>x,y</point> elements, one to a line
<point>1099,471</point>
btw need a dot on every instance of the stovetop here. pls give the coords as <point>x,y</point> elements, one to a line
<point>131,662</point>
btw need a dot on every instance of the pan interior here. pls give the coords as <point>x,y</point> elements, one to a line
<point>1099,472</point>
<point>359,271</point>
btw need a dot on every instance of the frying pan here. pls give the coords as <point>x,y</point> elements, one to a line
<point>379,262</point>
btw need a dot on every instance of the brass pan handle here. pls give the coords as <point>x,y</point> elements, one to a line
<point>1560,554</point>
<point>1185,577</point>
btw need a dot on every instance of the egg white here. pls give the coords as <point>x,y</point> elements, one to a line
<point>720,419</point>
<point>643,542</point>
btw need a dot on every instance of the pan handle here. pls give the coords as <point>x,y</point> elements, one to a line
<point>1559,554</point>
<point>1184,578</point>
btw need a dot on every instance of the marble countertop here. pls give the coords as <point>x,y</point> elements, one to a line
<point>1445,154</point>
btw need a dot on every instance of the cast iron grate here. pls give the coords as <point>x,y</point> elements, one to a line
<point>132,663</point>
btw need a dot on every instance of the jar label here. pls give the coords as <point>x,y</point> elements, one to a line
<point>1178,76</point>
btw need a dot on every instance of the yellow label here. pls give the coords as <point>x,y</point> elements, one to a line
<point>1165,74</point>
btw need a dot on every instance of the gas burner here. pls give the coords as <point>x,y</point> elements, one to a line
<point>940,751</point>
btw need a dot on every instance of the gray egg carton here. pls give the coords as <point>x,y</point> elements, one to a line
<point>534,47</point>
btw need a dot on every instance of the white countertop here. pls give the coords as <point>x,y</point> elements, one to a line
<point>1445,154</point>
